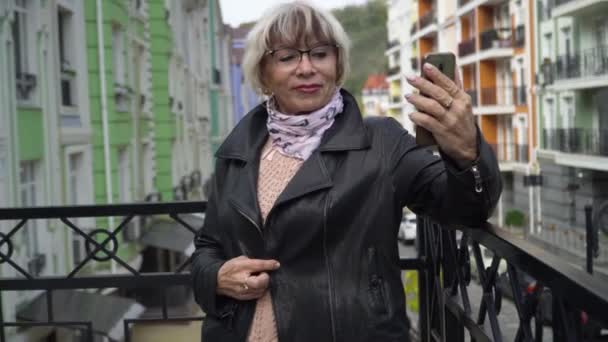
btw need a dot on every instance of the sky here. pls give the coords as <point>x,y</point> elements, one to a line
<point>235,12</point>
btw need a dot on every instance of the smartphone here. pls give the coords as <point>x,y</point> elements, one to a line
<point>446,63</point>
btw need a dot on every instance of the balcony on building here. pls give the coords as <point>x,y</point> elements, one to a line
<point>427,24</point>
<point>473,94</point>
<point>392,45</point>
<point>395,102</point>
<point>466,47</point>
<point>587,69</point>
<point>584,141</point>
<point>393,72</point>
<point>578,7</point>
<point>496,100</point>
<point>508,153</point>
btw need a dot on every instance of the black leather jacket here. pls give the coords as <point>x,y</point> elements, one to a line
<point>333,229</point>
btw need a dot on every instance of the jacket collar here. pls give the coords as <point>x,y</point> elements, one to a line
<point>247,138</point>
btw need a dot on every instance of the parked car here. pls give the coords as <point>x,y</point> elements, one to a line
<point>407,229</point>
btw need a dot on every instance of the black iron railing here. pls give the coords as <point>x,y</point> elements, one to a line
<point>466,47</point>
<point>577,140</point>
<point>495,38</point>
<point>589,63</point>
<point>443,263</point>
<point>498,96</point>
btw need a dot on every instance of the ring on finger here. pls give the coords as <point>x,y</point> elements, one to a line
<point>449,104</point>
<point>245,286</point>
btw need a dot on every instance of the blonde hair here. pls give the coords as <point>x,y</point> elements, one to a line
<point>289,24</point>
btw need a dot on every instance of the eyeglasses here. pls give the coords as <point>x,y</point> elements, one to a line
<point>290,58</point>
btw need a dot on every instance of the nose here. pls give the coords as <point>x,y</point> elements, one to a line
<point>305,67</point>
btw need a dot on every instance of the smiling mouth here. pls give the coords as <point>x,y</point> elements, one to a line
<point>308,89</point>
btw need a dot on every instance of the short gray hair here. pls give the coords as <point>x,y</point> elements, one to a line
<point>290,24</point>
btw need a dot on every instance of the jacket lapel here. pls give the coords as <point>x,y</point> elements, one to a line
<point>247,139</point>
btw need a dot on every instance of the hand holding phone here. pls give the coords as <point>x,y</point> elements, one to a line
<point>446,63</point>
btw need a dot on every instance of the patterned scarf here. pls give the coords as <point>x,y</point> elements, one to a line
<point>298,136</point>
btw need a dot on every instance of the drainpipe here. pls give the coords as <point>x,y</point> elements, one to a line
<point>104,116</point>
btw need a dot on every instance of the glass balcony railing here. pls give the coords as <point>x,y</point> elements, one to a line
<point>577,140</point>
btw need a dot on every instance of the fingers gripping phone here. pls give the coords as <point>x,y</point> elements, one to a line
<point>446,63</point>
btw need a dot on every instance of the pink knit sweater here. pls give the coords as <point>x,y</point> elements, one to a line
<point>276,170</point>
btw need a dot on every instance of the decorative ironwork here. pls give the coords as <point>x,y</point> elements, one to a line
<point>31,281</point>
<point>445,261</point>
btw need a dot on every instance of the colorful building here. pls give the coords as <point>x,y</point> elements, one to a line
<point>572,93</point>
<point>375,95</point>
<point>244,98</point>
<point>111,101</point>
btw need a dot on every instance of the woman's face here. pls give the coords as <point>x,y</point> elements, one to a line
<point>301,85</point>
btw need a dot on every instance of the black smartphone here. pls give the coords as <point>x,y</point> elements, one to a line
<point>446,63</point>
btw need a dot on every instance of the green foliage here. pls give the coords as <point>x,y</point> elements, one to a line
<point>366,28</point>
<point>514,218</point>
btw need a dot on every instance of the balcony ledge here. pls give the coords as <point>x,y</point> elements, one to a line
<point>428,30</point>
<point>585,161</point>
<point>585,82</point>
<point>578,7</point>
<point>494,110</point>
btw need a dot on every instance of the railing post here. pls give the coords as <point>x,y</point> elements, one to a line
<point>423,280</point>
<point>453,327</point>
<point>591,236</point>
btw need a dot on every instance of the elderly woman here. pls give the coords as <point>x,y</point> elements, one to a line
<point>300,237</point>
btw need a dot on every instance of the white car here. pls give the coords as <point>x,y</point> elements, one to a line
<point>407,228</point>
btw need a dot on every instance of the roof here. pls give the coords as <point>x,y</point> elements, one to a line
<point>376,81</point>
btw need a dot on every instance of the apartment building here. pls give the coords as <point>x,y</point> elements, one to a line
<point>103,102</point>
<point>399,56</point>
<point>572,92</point>
<point>375,95</point>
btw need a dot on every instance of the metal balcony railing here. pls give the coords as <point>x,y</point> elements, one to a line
<point>519,36</point>
<point>511,152</point>
<point>589,63</point>
<point>443,263</point>
<point>577,140</point>
<point>466,47</point>
<point>498,96</point>
<point>495,38</point>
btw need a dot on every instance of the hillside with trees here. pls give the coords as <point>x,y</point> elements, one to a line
<point>366,27</point>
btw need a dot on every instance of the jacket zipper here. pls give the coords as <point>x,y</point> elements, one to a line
<point>329,271</point>
<point>240,211</point>
<point>477,177</point>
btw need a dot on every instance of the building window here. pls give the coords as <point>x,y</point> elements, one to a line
<point>65,22</point>
<point>124,175</point>
<point>75,178</point>
<point>25,79</point>
<point>148,169</point>
<point>29,187</point>
<point>118,55</point>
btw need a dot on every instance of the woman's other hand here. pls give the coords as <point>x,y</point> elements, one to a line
<point>243,278</point>
<point>445,111</point>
